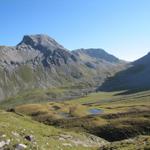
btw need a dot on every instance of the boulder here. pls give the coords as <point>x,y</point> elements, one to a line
<point>29,137</point>
<point>2,144</point>
<point>20,147</point>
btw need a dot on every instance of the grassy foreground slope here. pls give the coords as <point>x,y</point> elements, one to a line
<point>15,128</point>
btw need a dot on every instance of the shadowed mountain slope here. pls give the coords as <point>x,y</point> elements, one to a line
<point>136,77</point>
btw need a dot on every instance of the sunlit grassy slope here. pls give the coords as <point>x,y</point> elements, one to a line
<point>14,127</point>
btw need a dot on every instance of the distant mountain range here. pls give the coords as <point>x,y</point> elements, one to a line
<point>38,61</point>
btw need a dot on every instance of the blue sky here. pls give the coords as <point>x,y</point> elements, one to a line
<point>121,27</point>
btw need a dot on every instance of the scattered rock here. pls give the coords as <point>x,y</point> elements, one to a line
<point>3,136</point>
<point>29,137</point>
<point>67,144</point>
<point>15,134</point>
<point>61,139</point>
<point>7,142</point>
<point>20,147</point>
<point>66,136</point>
<point>11,110</point>
<point>2,144</point>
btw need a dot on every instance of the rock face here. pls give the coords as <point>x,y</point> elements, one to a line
<point>38,61</point>
<point>135,77</point>
<point>41,42</point>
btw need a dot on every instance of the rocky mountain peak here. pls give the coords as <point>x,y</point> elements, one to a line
<point>40,41</point>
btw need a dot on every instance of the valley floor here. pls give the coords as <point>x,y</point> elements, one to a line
<point>98,121</point>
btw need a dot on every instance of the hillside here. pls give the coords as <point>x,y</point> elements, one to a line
<point>136,77</point>
<point>30,134</point>
<point>38,61</point>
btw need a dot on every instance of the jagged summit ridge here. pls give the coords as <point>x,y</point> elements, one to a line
<point>40,41</point>
<point>39,49</point>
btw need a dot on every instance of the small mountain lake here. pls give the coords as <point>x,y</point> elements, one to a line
<point>92,111</point>
<point>95,111</point>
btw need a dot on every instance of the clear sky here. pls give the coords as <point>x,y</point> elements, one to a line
<point>121,27</point>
